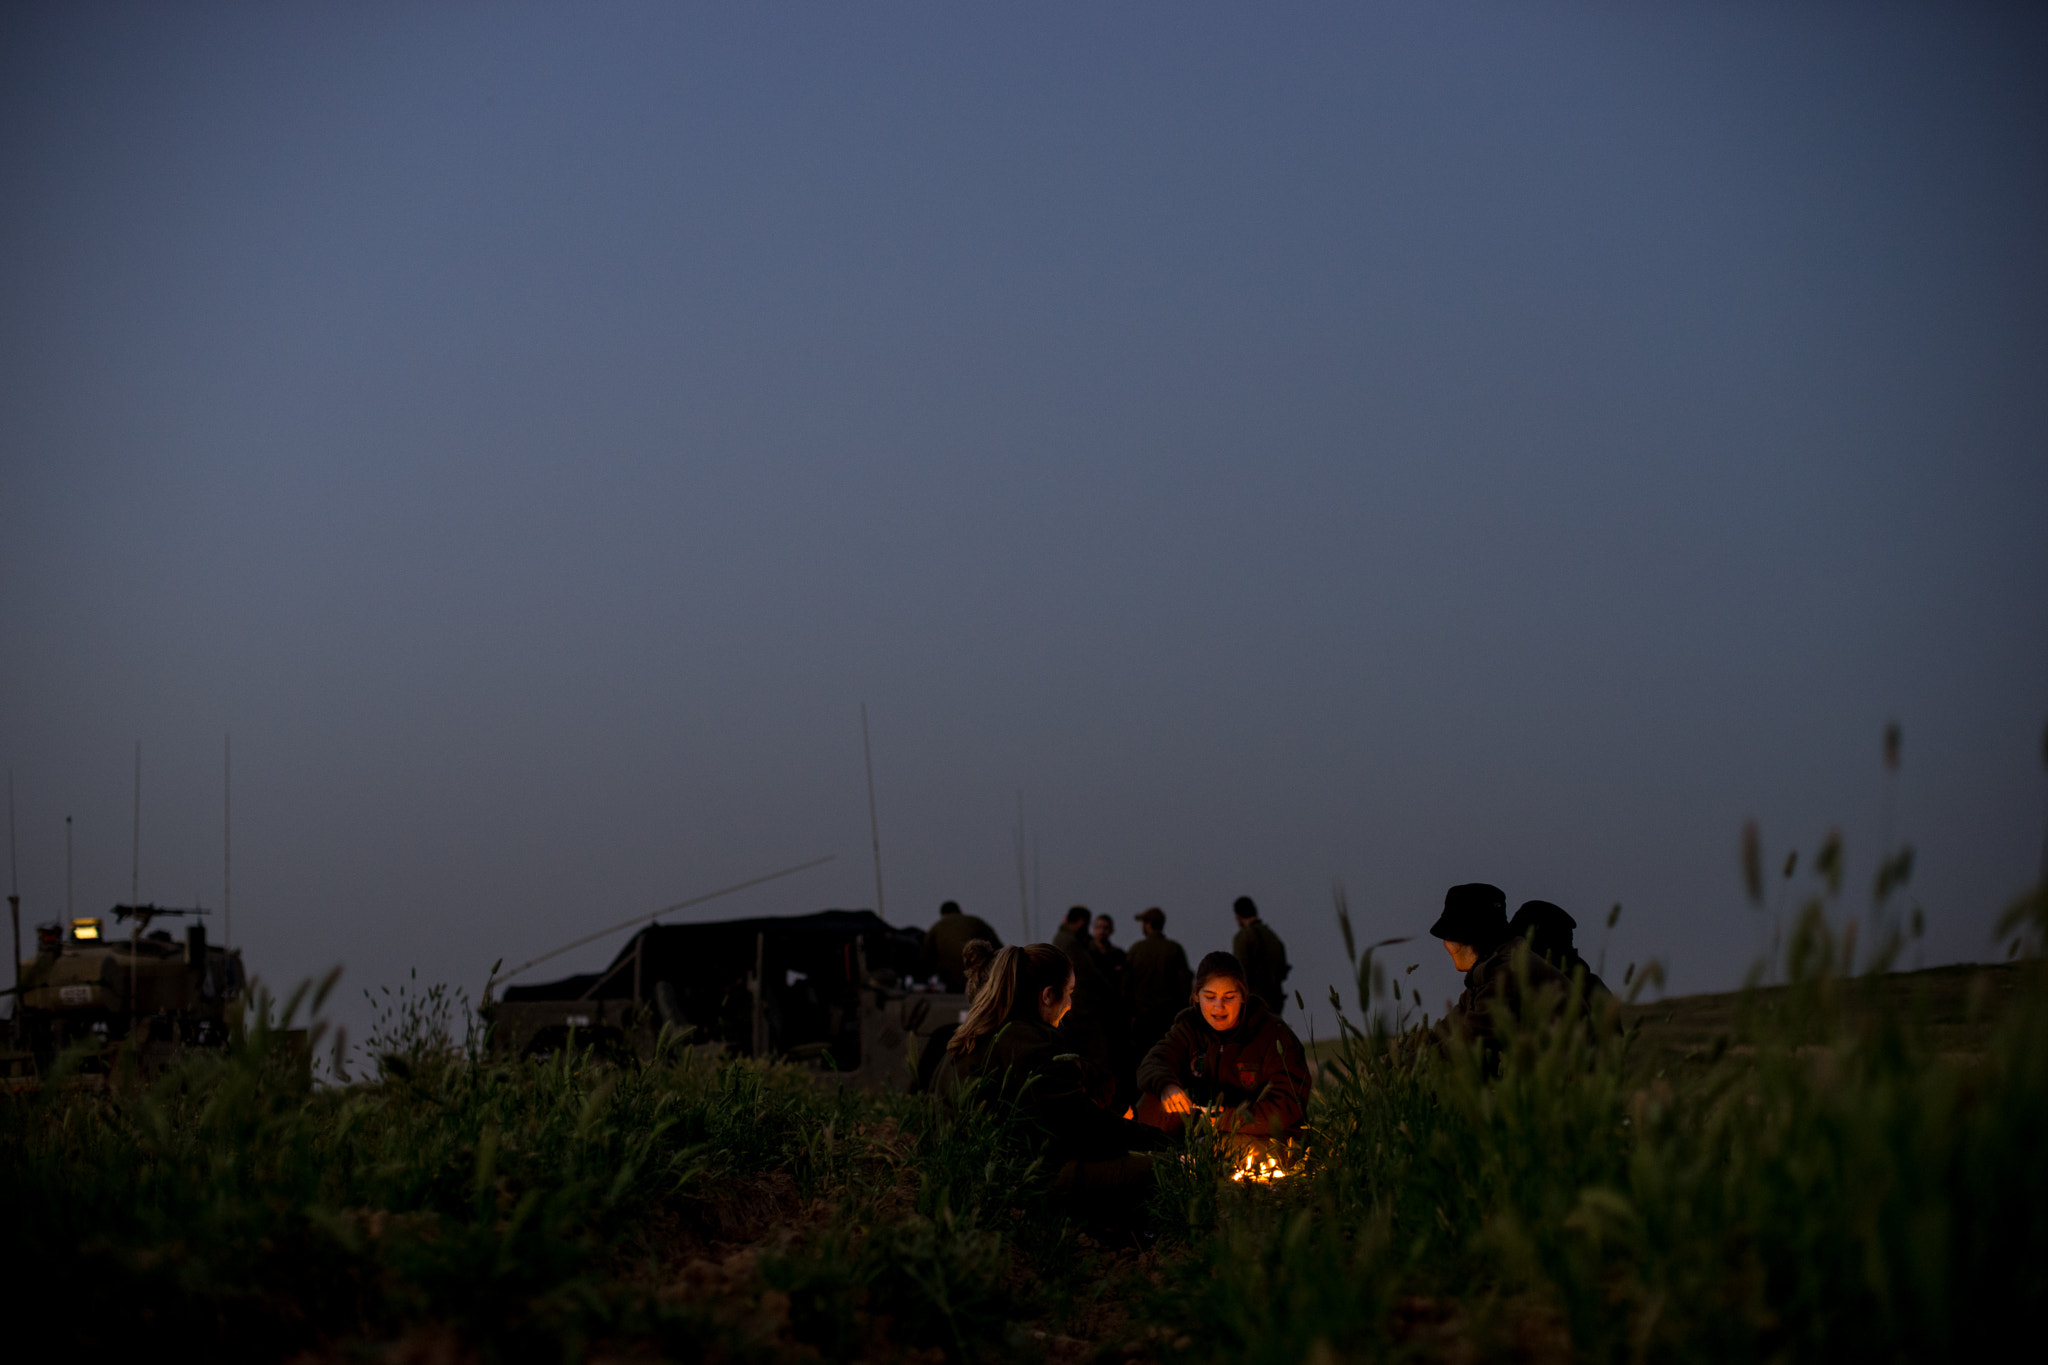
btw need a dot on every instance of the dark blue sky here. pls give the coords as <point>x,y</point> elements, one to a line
<point>1405,444</point>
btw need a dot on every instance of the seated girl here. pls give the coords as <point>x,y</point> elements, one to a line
<point>1228,1057</point>
<point>1009,1042</point>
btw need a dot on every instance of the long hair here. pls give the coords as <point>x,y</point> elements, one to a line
<point>1015,980</point>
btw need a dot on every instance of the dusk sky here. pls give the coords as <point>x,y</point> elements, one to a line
<point>1397,444</point>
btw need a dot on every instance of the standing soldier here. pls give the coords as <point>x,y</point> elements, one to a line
<point>1156,981</point>
<point>1263,954</point>
<point>1111,956</point>
<point>944,940</point>
<point>1093,1027</point>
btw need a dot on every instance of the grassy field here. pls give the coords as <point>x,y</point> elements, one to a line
<point>1840,1167</point>
<point>1953,1011</point>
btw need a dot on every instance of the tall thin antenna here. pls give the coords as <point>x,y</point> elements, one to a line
<point>874,824</point>
<point>135,859</point>
<point>227,883</point>
<point>135,886</point>
<point>13,900</point>
<point>1037,886</point>
<point>67,869</point>
<point>1023,897</point>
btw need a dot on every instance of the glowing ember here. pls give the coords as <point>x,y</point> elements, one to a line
<point>1258,1170</point>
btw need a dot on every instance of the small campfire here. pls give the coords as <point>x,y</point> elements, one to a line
<point>1258,1169</point>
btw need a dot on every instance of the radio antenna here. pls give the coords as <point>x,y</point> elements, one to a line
<point>1037,886</point>
<point>227,883</point>
<point>13,899</point>
<point>135,885</point>
<point>135,858</point>
<point>874,824</point>
<point>1023,896</point>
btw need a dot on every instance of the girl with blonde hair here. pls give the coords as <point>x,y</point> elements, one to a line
<point>1010,1044</point>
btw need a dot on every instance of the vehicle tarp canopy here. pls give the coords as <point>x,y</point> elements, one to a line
<point>810,971</point>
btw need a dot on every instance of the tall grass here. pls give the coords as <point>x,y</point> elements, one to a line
<point>232,1205</point>
<point>1821,1183</point>
<point>1824,1185</point>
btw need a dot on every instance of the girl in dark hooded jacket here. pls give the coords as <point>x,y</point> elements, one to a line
<point>1229,1057</point>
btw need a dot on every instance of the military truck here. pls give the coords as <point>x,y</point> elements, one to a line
<point>839,990</point>
<point>145,987</point>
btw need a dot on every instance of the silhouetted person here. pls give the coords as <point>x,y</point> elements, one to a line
<point>1124,1051</point>
<point>1498,968</point>
<point>1156,981</point>
<point>1549,931</point>
<point>1263,954</point>
<point>1111,956</point>
<point>944,940</point>
<point>1092,1026</point>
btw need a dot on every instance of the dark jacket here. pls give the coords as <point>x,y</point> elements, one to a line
<point>1157,975</point>
<point>1031,1068</point>
<point>1265,963</point>
<point>1157,980</point>
<point>1568,961</point>
<point>1495,993</point>
<point>1114,964</point>
<point>1091,977</point>
<point>1094,1025</point>
<point>944,940</point>
<point>1257,1069</point>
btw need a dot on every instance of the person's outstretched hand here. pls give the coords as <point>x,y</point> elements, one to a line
<point>1174,1100</point>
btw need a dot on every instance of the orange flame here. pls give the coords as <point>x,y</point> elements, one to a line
<point>1258,1170</point>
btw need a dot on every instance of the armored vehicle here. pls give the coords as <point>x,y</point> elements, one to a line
<point>837,990</point>
<point>161,992</point>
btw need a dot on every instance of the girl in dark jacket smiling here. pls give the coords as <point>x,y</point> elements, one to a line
<point>1229,1056</point>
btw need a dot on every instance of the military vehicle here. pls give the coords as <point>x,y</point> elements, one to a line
<point>144,987</point>
<point>840,990</point>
